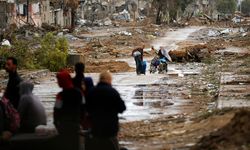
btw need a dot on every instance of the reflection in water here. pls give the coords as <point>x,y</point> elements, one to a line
<point>144,101</point>
<point>138,94</point>
<point>153,96</point>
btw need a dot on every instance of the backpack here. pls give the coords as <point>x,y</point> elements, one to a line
<point>11,116</point>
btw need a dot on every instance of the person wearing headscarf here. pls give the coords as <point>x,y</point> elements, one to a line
<point>31,110</point>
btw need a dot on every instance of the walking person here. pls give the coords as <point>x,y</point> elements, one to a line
<point>138,57</point>
<point>67,112</point>
<point>84,84</point>
<point>31,110</point>
<point>12,90</point>
<point>103,105</point>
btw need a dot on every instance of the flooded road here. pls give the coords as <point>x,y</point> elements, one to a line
<point>146,96</point>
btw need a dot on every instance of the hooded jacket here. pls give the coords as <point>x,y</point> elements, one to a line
<point>31,110</point>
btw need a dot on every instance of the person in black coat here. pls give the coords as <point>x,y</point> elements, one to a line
<point>67,112</point>
<point>12,90</point>
<point>80,81</point>
<point>103,105</point>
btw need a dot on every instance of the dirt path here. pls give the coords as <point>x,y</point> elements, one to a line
<point>172,38</point>
<point>160,107</point>
<point>216,85</point>
<point>143,95</point>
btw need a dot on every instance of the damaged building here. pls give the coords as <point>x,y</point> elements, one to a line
<point>7,13</point>
<point>96,10</point>
<point>34,12</point>
<point>55,12</point>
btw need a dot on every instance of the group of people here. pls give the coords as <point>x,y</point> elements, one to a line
<point>138,53</point>
<point>80,105</point>
<point>17,104</point>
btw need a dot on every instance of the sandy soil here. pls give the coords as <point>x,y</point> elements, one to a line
<point>112,66</point>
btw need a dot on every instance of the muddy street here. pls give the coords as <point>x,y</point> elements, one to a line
<point>146,97</point>
<point>170,110</point>
<point>149,97</point>
<point>181,67</point>
<point>173,110</point>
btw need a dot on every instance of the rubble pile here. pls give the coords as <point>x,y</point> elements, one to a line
<point>235,135</point>
<point>190,53</point>
<point>118,44</point>
<point>205,20</point>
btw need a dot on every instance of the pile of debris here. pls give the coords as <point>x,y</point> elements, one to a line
<point>235,135</point>
<point>205,20</point>
<point>191,53</point>
<point>206,34</point>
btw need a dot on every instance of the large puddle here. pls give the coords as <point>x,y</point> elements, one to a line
<point>146,96</point>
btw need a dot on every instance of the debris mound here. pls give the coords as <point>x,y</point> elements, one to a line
<point>235,135</point>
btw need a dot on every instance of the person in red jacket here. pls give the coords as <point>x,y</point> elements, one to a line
<point>67,112</point>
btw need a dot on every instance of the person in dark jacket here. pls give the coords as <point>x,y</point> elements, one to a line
<point>138,56</point>
<point>84,84</point>
<point>12,90</point>
<point>103,105</point>
<point>67,113</point>
<point>31,110</point>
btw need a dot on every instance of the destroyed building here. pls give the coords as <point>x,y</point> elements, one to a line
<point>34,12</point>
<point>55,12</point>
<point>7,13</point>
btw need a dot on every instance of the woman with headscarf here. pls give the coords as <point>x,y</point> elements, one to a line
<point>67,113</point>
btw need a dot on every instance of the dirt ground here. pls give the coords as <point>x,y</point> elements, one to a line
<point>203,128</point>
<point>234,135</point>
<point>174,133</point>
<point>112,66</point>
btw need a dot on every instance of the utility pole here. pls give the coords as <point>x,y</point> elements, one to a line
<point>28,3</point>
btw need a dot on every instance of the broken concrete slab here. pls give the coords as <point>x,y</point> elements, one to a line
<point>234,90</point>
<point>232,103</point>
<point>229,78</point>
